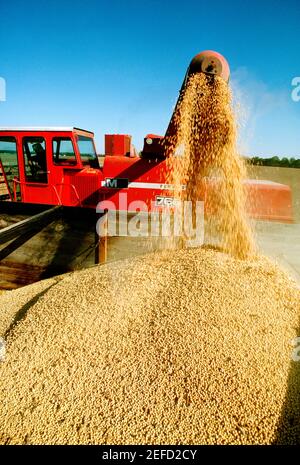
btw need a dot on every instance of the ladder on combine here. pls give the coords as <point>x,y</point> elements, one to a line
<point>5,193</point>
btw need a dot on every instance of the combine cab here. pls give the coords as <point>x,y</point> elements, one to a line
<point>56,166</point>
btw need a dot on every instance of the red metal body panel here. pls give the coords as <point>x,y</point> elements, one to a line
<point>145,178</point>
<point>270,201</point>
<point>265,200</point>
<point>117,144</point>
<point>82,187</point>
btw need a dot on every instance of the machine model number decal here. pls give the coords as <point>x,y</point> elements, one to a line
<point>124,183</point>
<point>161,201</point>
<point>116,183</point>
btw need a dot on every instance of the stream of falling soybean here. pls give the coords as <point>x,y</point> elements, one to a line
<point>209,164</point>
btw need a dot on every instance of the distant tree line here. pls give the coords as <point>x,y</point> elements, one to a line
<point>275,161</point>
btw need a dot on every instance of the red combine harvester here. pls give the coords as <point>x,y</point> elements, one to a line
<point>60,167</point>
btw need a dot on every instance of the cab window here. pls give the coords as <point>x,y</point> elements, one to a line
<point>63,151</point>
<point>34,151</point>
<point>87,151</point>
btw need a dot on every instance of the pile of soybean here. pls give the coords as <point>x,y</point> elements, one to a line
<point>178,347</point>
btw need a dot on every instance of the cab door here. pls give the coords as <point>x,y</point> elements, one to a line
<point>35,183</point>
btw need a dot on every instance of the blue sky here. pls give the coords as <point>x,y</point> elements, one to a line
<point>116,66</point>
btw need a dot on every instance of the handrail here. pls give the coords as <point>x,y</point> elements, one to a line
<point>17,181</point>
<point>55,190</point>
<point>74,188</point>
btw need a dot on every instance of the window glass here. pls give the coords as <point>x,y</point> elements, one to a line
<point>34,150</point>
<point>63,151</point>
<point>87,151</point>
<point>9,162</point>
